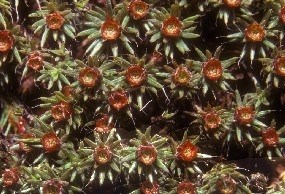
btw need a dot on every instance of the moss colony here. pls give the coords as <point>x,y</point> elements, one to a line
<point>142,96</point>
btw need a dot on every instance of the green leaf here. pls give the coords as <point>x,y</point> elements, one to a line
<point>64,79</point>
<point>236,35</point>
<point>182,47</point>
<point>128,47</point>
<point>86,32</point>
<point>269,44</point>
<point>155,37</point>
<point>114,47</point>
<point>94,35</point>
<point>189,35</point>
<point>238,98</point>
<point>68,32</point>
<point>161,165</point>
<point>96,48</point>
<point>205,88</point>
<point>258,123</point>
<point>43,125</point>
<point>129,157</point>
<point>2,21</point>
<point>101,177</point>
<point>132,30</point>
<point>55,35</point>
<point>115,167</point>
<point>153,82</point>
<point>38,24</point>
<point>90,143</point>
<point>44,37</point>
<point>132,167</point>
<point>16,54</point>
<point>201,54</point>
<point>125,21</point>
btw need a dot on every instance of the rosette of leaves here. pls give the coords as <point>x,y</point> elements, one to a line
<point>247,115</point>
<point>270,141</point>
<point>62,112</point>
<point>224,178</point>
<point>69,159</point>
<point>103,124</point>
<point>229,8</point>
<point>47,179</point>
<point>215,121</point>
<point>12,119</point>
<point>214,73</point>
<point>187,157</point>
<point>146,156</point>
<point>277,21</point>
<point>106,30</point>
<point>11,41</point>
<point>258,183</point>
<point>34,60</point>
<point>118,103</point>
<point>55,20</point>
<point>44,139</point>
<point>274,68</point>
<point>101,158</point>
<point>59,71</point>
<point>5,8</point>
<point>94,78</point>
<point>11,177</point>
<point>134,13</point>
<point>176,186</point>
<point>182,80</point>
<point>256,37</point>
<point>147,187</point>
<point>168,30</point>
<point>138,77</point>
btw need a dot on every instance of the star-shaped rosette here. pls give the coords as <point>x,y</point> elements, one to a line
<point>215,121</point>
<point>94,78</point>
<point>147,187</point>
<point>47,179</point>
<point>169,31</point>
<point>146,156</point>
<point>177,186</point>
<point>13,119</point>
<point>34,61</point>
<point>139,76</point>
<point>277,21</point>
<point>228,9</point>
<point>187,156</point>
<point>270,141</point>
<point>100,157</point>
<point>55,19</point>
<point>106,30</point>
<point>44,142</point>
<point>247,115</point>
<point>11,42</point>
<point>58,71</point>
<point>224,178</point>
<point>256,37</point>
<point>118,102</point>
<point>134,13</point>
<point>182,80</point>
<point>273,68</point>
<point>12,178</point>
<point>62,112</point>
<point>214,73</point>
